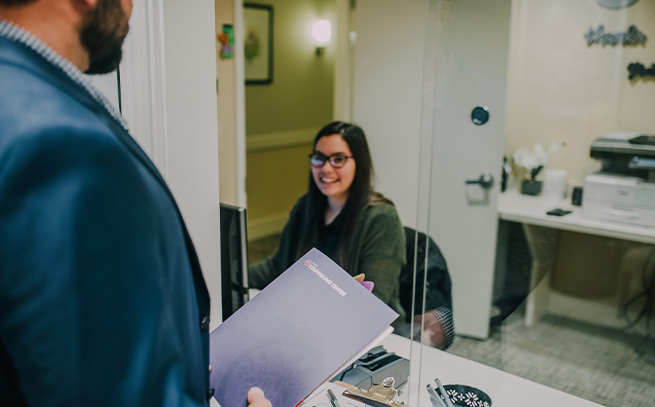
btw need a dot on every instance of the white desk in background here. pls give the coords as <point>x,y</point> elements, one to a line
<point>541,234</point>
<point>504,389</point>
<point>531,210</point>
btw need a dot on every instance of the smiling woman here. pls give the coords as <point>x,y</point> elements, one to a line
<point>333,173</point>
<point>342,216</point>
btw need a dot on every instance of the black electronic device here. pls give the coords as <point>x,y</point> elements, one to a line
<point>558,212</point>
<point>626,153</point>
<point>576,196</point>
<point>234,258</point>
<point>374,367</point>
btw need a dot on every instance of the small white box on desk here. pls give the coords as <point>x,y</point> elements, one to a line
<point>619,198</point>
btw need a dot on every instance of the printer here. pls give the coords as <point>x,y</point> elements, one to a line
<point>624,189</point>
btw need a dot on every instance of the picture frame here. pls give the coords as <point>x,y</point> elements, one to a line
<point>258,43</point>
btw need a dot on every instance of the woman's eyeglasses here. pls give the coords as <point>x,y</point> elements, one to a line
<point>337,160</point>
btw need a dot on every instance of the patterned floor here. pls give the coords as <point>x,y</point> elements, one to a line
<point>607,366</point>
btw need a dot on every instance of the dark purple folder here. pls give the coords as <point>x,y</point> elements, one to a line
<point>295,334</point>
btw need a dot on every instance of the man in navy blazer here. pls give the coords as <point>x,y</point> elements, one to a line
<point>102,300</point>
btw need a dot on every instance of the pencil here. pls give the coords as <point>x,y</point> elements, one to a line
<point>333,398</point>
<point>443,393</point>
<point>434,397</point>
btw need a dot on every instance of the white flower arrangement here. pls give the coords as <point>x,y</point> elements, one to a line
<point>533,161</point>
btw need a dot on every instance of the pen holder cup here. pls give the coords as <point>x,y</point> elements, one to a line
<point>467,396</point>
<point>555,184</point>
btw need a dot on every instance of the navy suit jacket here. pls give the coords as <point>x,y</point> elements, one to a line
<point>102,300</point>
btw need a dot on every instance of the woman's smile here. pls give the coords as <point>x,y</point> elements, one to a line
<point>334,182</point>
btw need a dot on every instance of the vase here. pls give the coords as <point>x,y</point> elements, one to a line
<point>531,187</point>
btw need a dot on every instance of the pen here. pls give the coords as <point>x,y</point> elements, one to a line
<point>333,398</point>
<point>434,397</point>
<point>443,392</point>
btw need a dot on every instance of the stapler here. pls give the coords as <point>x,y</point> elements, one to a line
<point>374,367</point>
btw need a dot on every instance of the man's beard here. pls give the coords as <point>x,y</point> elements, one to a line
<point>102,34</point>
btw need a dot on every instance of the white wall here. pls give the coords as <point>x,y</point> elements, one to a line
<point>108,85</point>
<point>562,89</point>
<point>169,98</point>
<point>192,129</point>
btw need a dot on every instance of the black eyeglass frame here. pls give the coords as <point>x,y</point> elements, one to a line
<point>323,159</point>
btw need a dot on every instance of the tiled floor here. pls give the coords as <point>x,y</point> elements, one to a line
<point>607,366</point>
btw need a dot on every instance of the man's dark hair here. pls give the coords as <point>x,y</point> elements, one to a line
<point>16,2</point>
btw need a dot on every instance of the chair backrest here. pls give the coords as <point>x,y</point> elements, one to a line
<point>438,285</point>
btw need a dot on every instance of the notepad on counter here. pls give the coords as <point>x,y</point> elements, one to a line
<point>303,328</point>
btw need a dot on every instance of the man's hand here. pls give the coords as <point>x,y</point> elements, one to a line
<point>433,333</point>
<point>256,398</point>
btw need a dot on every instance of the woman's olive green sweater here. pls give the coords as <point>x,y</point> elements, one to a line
<point>376,248</point>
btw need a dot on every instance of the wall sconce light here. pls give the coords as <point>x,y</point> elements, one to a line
<point>321,32</point>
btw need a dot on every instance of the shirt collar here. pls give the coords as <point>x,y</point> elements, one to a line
<point>16,34</point>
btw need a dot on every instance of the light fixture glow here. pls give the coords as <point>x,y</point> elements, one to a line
<point>321,32</point>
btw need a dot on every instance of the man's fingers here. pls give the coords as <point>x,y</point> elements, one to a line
<point>256,398</point>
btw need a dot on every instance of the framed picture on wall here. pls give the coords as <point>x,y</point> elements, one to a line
<point>258,43</point>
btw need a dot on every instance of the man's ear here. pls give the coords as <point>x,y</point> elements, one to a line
<point>84,6</point>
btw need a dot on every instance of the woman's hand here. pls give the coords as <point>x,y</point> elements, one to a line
<point>367,284</point>
<point>256,398</point>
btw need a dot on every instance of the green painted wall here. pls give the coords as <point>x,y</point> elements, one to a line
<point>282,176</point>
<point>299,97</point>
<point>301,94</point>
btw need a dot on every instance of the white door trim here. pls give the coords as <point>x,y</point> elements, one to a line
<point>240,108</point>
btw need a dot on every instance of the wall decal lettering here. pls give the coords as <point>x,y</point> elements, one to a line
<point>631,37</point>
<point>638,70</point>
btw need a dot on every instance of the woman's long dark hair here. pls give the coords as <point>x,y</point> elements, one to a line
<point>359,193</point>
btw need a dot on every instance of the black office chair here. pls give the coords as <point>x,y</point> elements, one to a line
<point>438,287</point>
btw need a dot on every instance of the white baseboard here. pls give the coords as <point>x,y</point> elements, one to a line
<point>281,139</point>
<point>266,226</point>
